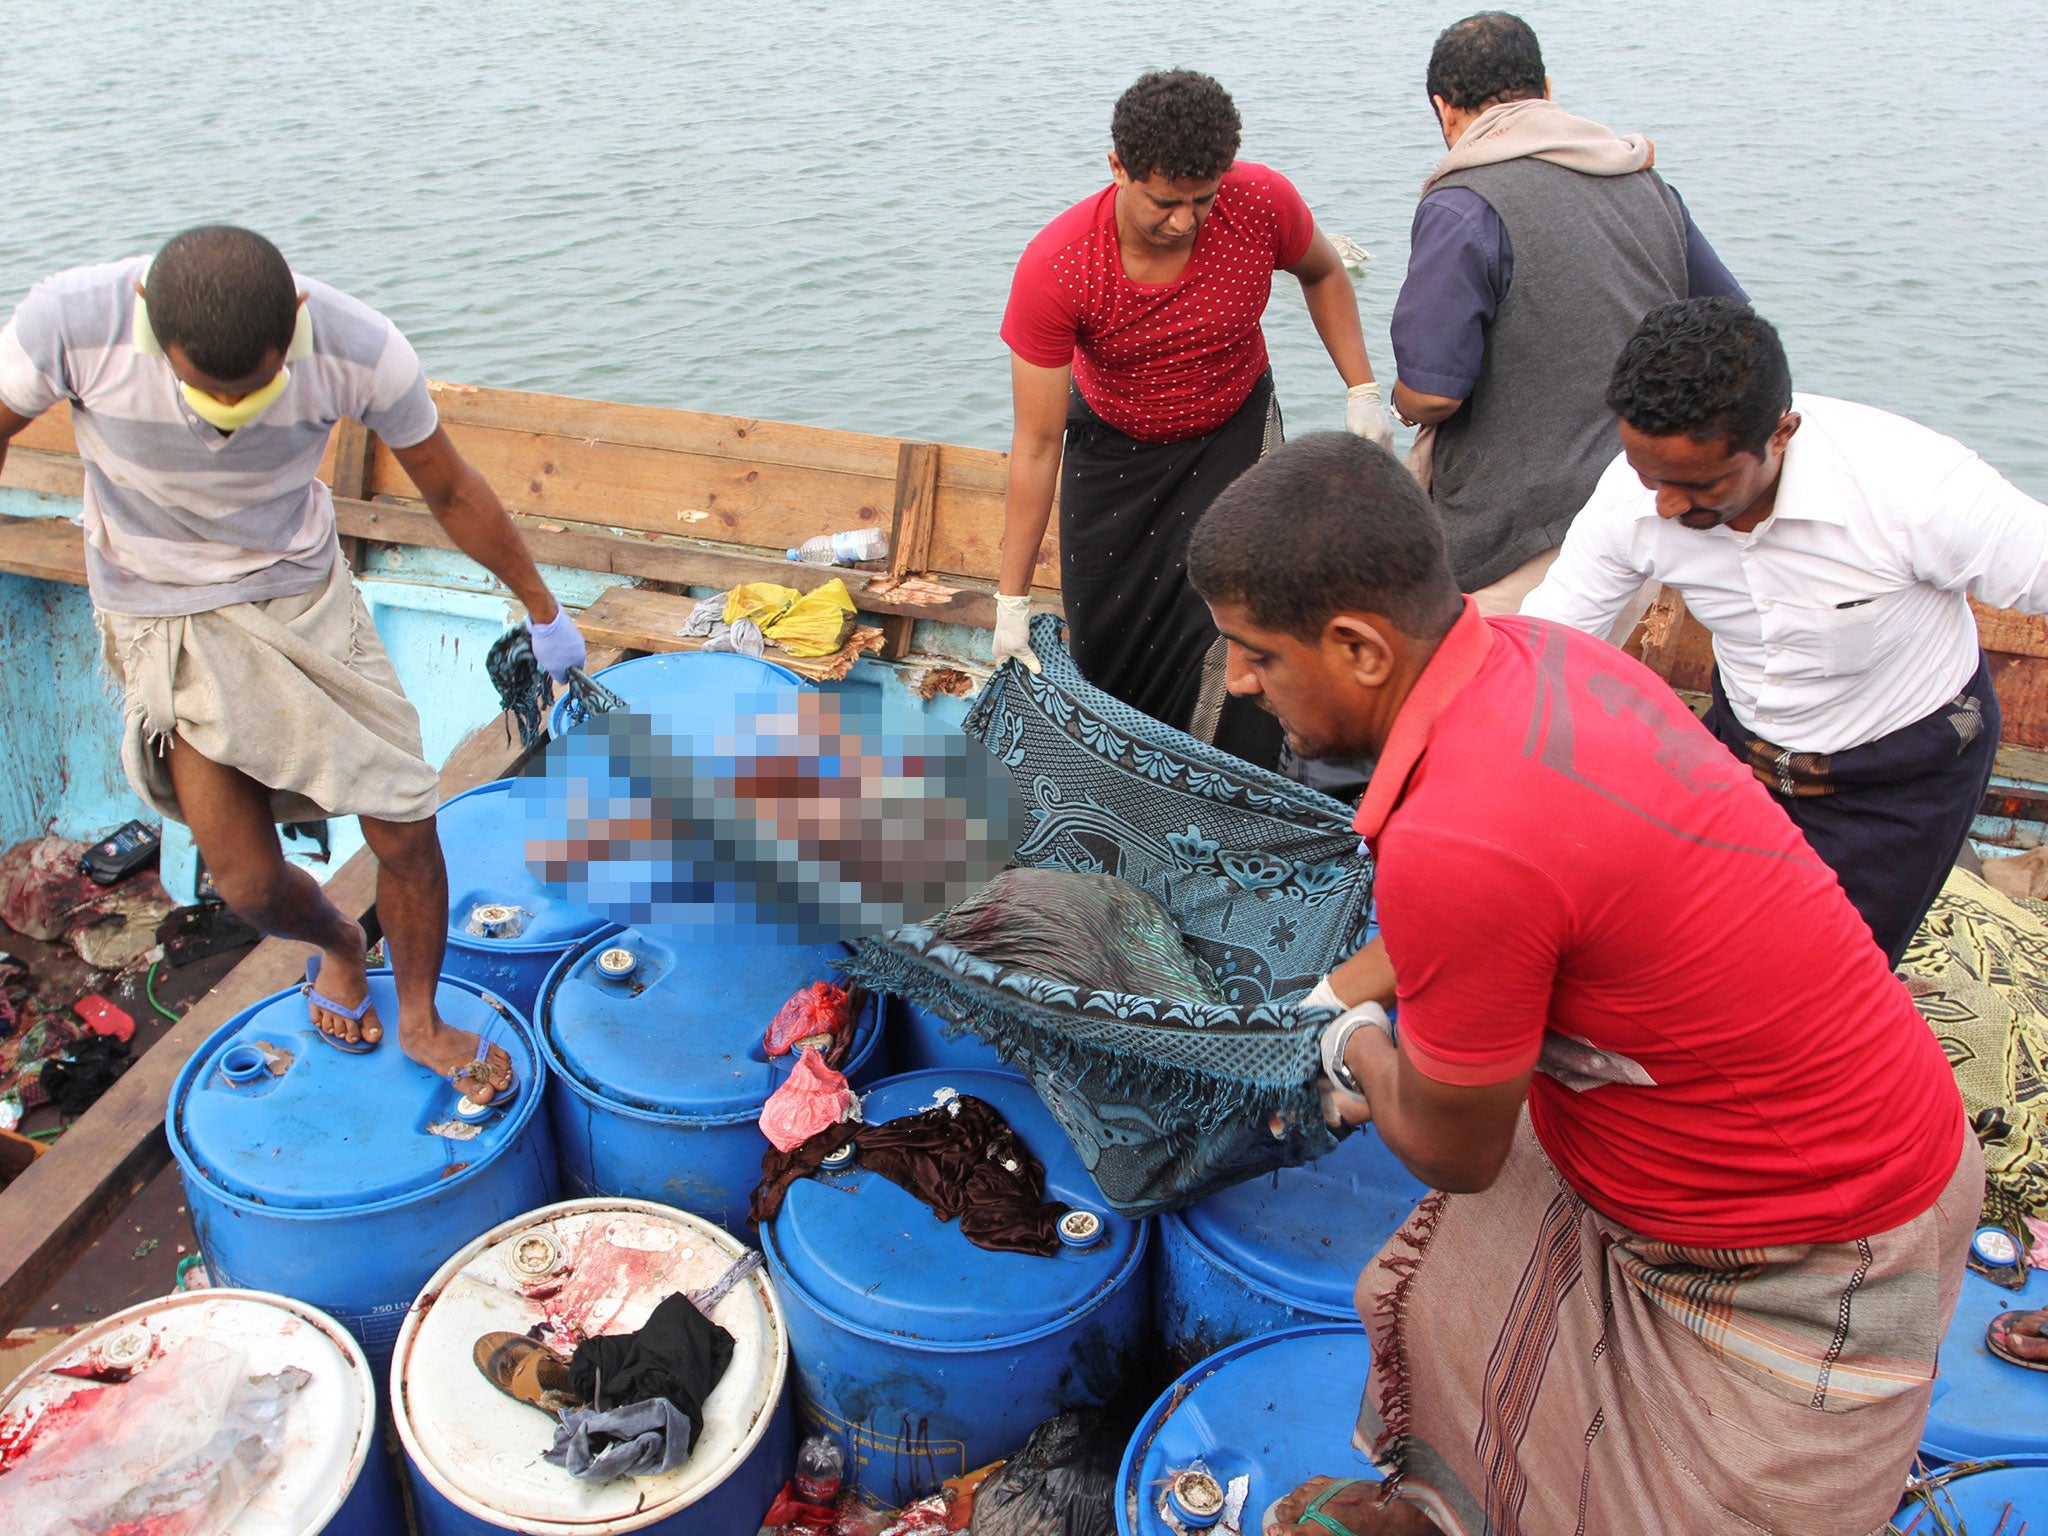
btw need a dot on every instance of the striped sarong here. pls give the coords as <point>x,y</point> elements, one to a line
<point>1538,1369</point>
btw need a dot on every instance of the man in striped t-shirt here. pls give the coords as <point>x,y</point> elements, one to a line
<point>204,383</point>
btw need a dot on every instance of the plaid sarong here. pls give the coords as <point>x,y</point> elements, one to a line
<point>1538,1369</point>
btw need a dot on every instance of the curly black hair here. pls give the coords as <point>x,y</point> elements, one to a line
<point>1176,123</point>
<point>1709,368</point>
<point>1484,59</point>
<point>224,297</point>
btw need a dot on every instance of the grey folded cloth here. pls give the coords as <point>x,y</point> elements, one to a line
<point>707,621</point>
<point>642,1439</point>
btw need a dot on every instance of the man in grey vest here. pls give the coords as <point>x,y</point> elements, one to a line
<point>1540,242</point>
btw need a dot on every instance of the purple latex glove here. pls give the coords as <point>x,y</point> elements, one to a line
<point>557,645</point>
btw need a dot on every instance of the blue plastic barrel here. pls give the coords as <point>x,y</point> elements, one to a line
<point>1985,1407</point>
<point>505,931</point>
<point>332,1474</point>
<point>345,1180</point>
<point>653,683</point>
<point>1277,1411</point>
<point>572,1271</point>
<point>918,1042</point>
<point>1279,1250</point>
<point>2010,1499</point>
<point>927,1356</point>
<point>659,1071</point>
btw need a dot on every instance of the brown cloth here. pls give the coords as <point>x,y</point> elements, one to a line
<point>1539,1368</point>
<point>960,1158</point>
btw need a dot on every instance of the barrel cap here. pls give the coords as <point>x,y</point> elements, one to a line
<point>322,1130</point>
<point>494,902</point>
<point>1248,1411</point>
<point>682,1035</point>
<point>872,1254</point>
<point>1305,1233</point>
<point>574,1270</point>
<point>1996,1247</point>
<point>329,1426</point>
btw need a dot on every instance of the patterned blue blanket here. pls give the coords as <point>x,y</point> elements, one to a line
<point>1166,1101</point>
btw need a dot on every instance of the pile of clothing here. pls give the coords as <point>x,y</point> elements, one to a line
<point>628,1404</point>
<point>751,619</point>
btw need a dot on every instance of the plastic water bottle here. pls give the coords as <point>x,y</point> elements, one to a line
<point>820,1467</point>
<point>849,548</point>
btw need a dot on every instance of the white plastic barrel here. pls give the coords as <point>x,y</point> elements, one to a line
<point>580,1269</point>
<point>332,1474</point>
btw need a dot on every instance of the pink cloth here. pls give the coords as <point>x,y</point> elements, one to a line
<point>814,1097</point>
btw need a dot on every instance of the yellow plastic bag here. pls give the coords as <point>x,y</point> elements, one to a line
<point>803,624</point>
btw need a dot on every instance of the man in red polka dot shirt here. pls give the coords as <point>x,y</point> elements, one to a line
<point>1133,326</point>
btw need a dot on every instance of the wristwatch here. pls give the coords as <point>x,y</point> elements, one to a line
<point>1337,1035</point>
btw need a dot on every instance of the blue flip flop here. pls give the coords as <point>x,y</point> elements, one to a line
<point>353,1015</point>
<point>1313,1515</point>
<point>477,1071</point>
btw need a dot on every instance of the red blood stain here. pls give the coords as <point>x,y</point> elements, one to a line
<point>595,1270</point>
<point>20,1436</point>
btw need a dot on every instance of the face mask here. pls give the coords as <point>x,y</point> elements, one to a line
<point>245,410</point>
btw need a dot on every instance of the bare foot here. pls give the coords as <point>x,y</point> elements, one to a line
<point>443,1049</point>
<point>1358,1509</point>
<point>2024,1334</point>
<point>344,978</point>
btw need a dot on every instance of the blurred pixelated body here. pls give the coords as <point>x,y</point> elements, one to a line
<point>814,815</point>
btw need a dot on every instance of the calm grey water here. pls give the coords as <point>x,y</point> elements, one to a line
<point>810,211</point>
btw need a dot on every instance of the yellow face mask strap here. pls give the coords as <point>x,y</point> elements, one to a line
<point>245,410</point>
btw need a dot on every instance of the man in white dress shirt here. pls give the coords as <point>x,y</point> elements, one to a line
<point>1831,550</point>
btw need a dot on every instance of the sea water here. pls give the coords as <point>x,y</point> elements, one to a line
<point>810,211</point>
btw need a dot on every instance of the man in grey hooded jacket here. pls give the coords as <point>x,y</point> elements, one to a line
<point>1541,241</point>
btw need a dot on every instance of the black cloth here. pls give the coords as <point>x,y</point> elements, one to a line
<point>1888,817</point>
<point>962,1160</point>
<point>781,1169</point>
<point>679,1354</point>
<point>1127,509</point>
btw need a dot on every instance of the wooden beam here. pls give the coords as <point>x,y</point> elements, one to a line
<point>53,1212</point>
<point>40,470</point>
<point>349,452</point>
<point>910,533</point>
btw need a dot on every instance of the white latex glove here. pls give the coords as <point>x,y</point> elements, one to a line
<point>1343,1105</point>
<point>1365,414</point>
<point>1013,632</point>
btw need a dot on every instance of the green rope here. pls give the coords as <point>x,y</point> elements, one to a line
<point>149,990</point>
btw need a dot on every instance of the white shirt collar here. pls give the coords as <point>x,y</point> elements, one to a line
<point>1815,484</point>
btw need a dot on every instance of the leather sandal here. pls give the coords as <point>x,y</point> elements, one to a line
<point>523,1369</point>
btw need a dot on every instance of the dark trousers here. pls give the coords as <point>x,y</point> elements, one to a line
<point>1888,817</point>
<point>1136,627</point>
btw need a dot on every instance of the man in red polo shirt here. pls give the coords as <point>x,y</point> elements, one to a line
<point>1699,1286</point>
<point>1133,326</point>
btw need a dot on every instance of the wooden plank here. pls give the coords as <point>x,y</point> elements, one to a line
<point>47,548</point>
<point>2029,764</point>
<point>967,519</point>
<point>661,491</point>
<point>346,469</point>
<point>2016,634</point>
<point>744,439</point>
<point>2019,803</point>
<point>54,1211</point>
<point>675,562</point>
<point>37,469</point>
<point>50,432</point>
<point>637,618</point>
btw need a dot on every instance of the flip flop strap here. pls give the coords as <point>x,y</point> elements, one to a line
<point>1314,1513</point>
<point>320,999</point>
